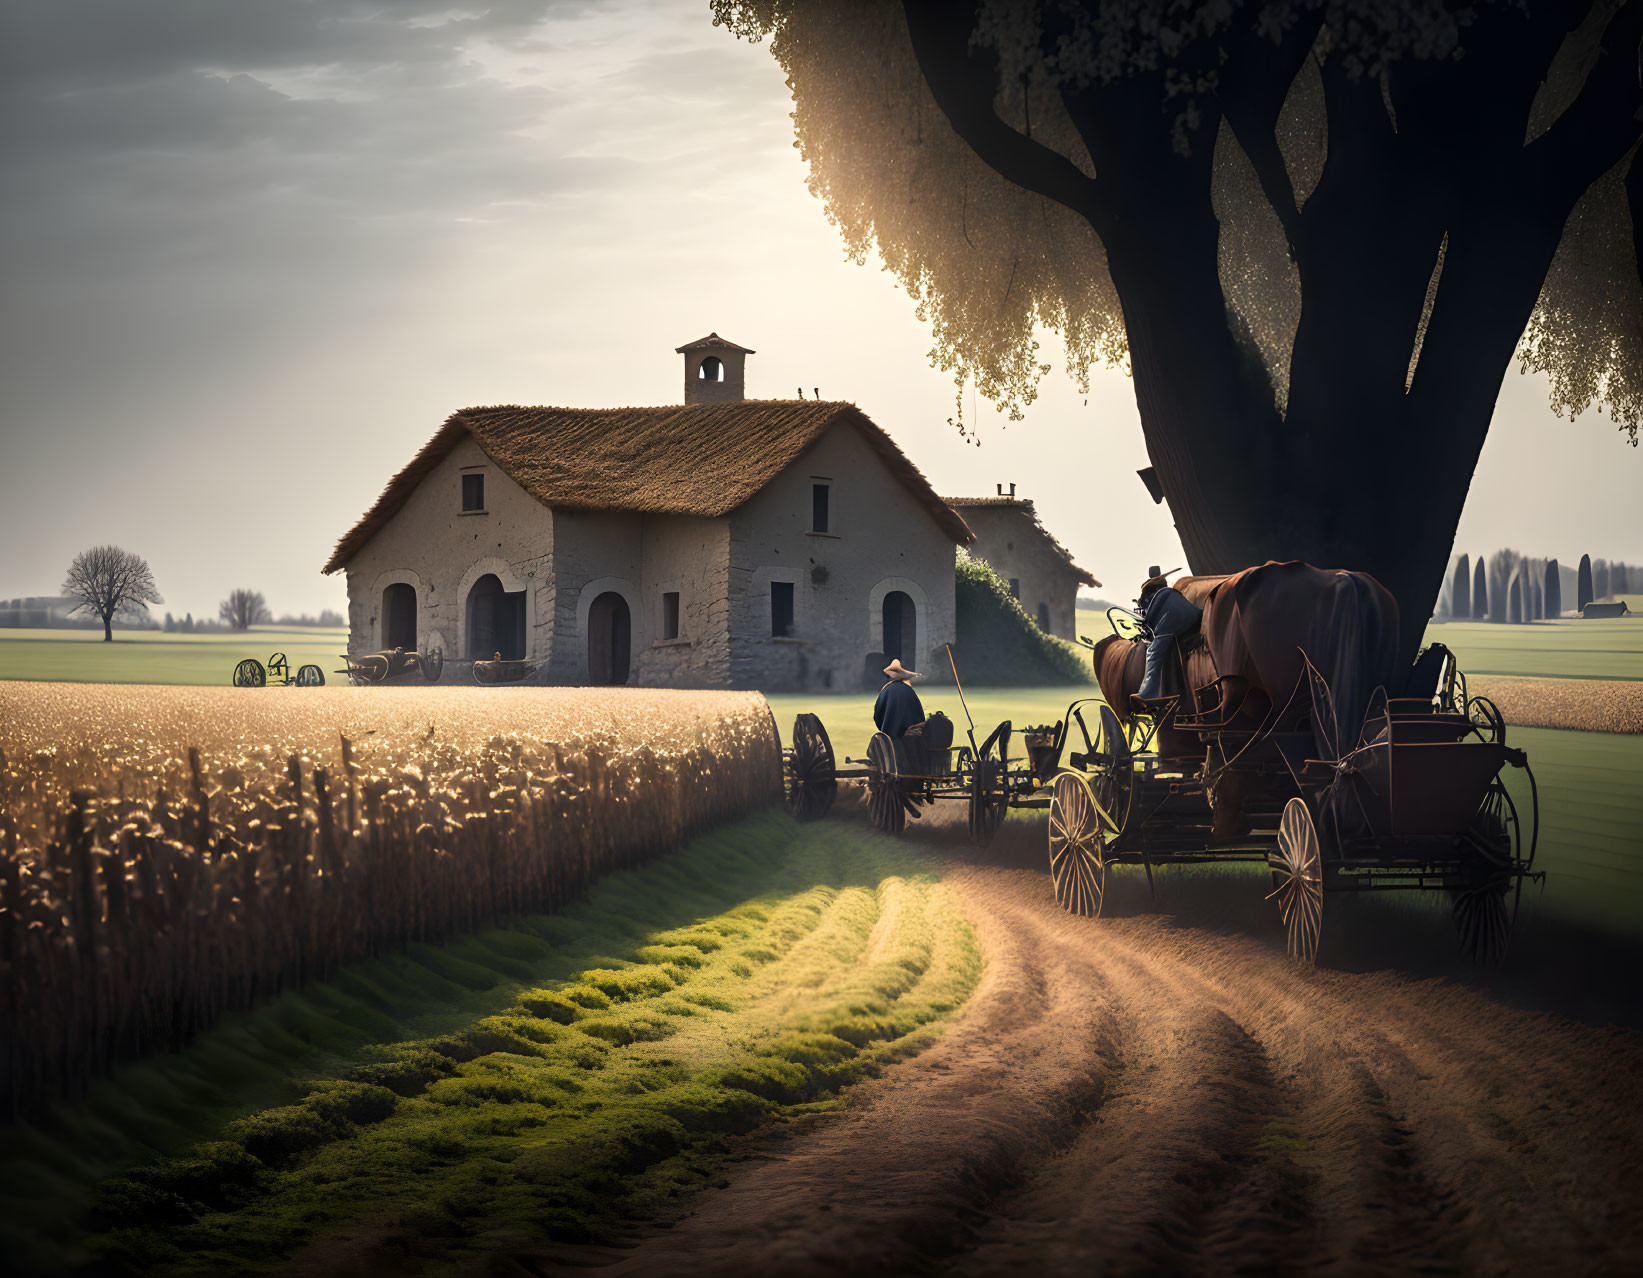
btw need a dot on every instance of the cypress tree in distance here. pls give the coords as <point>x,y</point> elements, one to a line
<point>1480,591</point>
<point>1460,603</point>
<point>1583,593</point>
<point>1514,598</point>
<point>1554,590</point>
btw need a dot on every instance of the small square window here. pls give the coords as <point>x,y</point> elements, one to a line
<point>670,614</point>
<point>1015,587</point>
<point>781,609</point>
<point>818,507</point>
<point>473,492</point>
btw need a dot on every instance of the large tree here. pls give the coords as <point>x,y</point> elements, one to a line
<point>111,582</point>
<point>1315,231</point>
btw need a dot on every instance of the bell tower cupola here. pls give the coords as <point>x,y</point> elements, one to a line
<point>714,370</point>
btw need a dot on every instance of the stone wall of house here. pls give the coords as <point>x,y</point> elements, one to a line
<point>1008,538</point>
<point>432,545</point>
<point>691,556</point>
<point>639,557</point>
<point>880,538</point>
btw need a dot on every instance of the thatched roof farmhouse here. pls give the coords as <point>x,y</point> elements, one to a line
<point>725,542</point>
<point>1039,569</point>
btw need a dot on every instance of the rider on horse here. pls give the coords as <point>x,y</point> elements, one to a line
<point>1167,614</point>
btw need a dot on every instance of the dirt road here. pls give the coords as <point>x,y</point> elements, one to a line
<point>1147,1093</point>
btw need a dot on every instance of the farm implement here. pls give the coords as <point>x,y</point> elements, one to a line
<point>394,663</point>
<point>1332,784</point>
<point>251,673</point>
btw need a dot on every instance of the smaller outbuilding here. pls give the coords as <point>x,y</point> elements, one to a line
<point>1038,569</point>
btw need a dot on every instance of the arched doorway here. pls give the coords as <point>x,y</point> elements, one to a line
<point>610,639</point>
<point>399,616</point>
<point>496,621</point>
<point>900,628</point>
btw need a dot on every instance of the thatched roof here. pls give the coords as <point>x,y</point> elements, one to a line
<point>1025,505</point>
<point>696,459</point>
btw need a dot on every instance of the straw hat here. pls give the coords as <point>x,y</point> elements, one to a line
<point>1155,578</point>
<point>898,671</point>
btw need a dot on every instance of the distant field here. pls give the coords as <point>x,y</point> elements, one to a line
<point>1568,648</point>
<point>152,656</point>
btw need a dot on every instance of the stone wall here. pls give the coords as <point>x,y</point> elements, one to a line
<point>880,538</point>
<point>1009,538</point>
<point>441,551</point>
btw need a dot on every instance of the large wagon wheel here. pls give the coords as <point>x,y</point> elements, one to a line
<point>1111,766</point>
<point>812,775</point>
<point>1298,880</point>
<point>1483,921</point>
<point>250,674</point>
<point>1078,849</point>
<point>1486,719</point>
<point>310,677</point>
<point>885,804</point>
<point>432,664</point>
<point>989,786</point>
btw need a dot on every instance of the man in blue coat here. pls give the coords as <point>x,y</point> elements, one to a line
<point>898,707</point>
<point>1167,614</point>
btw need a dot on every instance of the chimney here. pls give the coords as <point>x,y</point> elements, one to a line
<point>713,370</point>
<point>1002,493</point>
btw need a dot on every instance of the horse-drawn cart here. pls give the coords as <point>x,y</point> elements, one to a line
<point>1277,744</point>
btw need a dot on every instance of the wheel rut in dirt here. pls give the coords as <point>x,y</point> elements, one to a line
<point>1133,1095</point>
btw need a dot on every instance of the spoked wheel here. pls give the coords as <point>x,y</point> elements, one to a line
<point>1078,849</point>
<point>989,787</point>
<point>1486,719</point>
<point>310,677</point>
<point>1483,920</point>
<point>250,674</point>
<point>1298,880</point>
<point>884,801</point>
<point>432,664</point>
<point>812,776</point>
<point>1112,774</point>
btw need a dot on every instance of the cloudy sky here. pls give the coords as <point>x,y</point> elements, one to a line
<point>254,253</point>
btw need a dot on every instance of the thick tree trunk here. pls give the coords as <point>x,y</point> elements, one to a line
<point>108,630</point>
<point>1369,466</point>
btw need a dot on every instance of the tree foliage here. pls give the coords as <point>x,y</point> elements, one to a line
<point>993,200</point>
<point>244,609</point>
<point>109,582</point>
<point>1460,599</point>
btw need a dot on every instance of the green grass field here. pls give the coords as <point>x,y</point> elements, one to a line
<point>1567,648</point>
<point>547,1077</point>
<point>152,656</point>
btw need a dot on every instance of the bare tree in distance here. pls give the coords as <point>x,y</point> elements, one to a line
<point>110,582</point>
<point>1315,234</point>
<point>244,609</point>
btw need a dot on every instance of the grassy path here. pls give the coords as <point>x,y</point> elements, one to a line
<point>530,1084</point>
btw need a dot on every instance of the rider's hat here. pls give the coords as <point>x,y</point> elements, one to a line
<point>896,670</point>
<point>1155,578</point>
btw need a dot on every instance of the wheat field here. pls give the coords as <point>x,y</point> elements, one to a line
<point>167,855</point>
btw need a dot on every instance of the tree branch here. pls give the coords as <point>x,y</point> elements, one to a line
<point>1254,84</point>
<point>1604,121</point>
<point>964,80</point>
